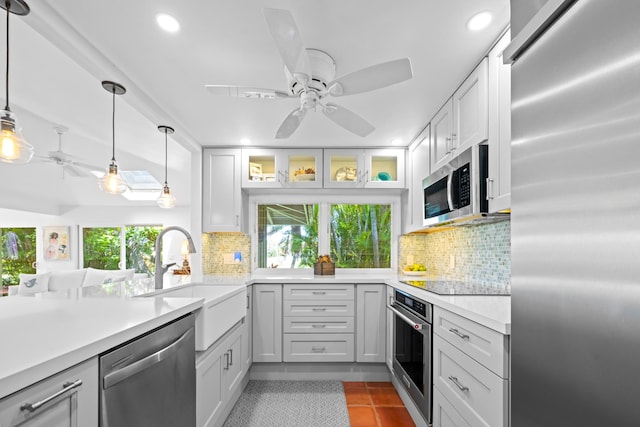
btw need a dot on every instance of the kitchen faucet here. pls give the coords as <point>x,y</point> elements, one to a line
<point>161,269</point>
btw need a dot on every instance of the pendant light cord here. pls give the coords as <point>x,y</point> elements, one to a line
<point>113,127</point>
<point>165,157</point>
<point>6,107</point>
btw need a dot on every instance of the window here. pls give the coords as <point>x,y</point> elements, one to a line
<point>356,231</point>
<point>360,236</point>
<point>109,248</point>
<point>287,236</point>
<point>18,248</point>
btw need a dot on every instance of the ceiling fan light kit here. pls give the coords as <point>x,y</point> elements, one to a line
<point>166,199</point>
<point>13,147</point>
<point>111,182</point>
<point>310,75</point>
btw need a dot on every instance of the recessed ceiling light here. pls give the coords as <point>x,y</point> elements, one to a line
<point>245,141</point>
<point>396,141</point>
<point>167,22</point>
<point>479,21</point>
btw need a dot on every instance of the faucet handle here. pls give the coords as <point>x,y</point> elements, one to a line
<point>165,267</point>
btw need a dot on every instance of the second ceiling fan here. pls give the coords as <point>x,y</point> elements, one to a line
<point>311,77</point>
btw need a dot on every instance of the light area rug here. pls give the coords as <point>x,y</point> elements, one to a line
<point>290,404</point>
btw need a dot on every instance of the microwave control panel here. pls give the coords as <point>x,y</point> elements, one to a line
<point>464,182</point>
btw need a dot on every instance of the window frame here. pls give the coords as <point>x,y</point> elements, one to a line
<point>324,201</point>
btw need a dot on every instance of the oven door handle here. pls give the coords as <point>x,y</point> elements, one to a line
<point>407,319</point>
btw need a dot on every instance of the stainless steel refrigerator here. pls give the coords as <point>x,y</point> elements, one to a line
<point>576,214</point>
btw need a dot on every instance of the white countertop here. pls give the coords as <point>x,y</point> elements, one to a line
<point>45,335</point>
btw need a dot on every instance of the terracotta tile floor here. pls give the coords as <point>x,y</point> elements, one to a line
<point>375,404</point>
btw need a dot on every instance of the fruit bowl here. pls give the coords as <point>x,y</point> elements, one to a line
<point>414,273</point>
<point>306,177</point>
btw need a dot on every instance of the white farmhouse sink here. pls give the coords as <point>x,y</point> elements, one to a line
<point>223,307</point>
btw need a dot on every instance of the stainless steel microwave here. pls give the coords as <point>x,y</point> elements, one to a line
<point>457,190</point>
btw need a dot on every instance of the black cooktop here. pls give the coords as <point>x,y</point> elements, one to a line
<point>452,287</point>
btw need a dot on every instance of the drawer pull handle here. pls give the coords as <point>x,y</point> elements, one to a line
<point>457,383</point>
<point>458,333</point>
<point>318,326</point>
<point>318,349</point>
<point>226,361</point>
<point>319,292</point>
<point>65,388</point>
<point>319,309</point>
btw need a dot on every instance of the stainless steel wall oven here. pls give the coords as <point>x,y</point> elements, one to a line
<point>412,329</point>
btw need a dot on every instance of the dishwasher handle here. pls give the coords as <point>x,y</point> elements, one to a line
<point>121,374</point>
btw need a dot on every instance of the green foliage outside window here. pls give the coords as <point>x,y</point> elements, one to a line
<point>18,249</point>
<point>101,247</point>
<point>140,241</point>
<point>361,236</point>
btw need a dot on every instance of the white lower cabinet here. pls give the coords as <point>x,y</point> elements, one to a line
<point>69,398</point>
<point>370,323</point>
<point>219,372</point>
<point>390,329</point>
<point>247,335</point>
<point>267,323</point>
<point>444,414</point>
<point>470,373</point>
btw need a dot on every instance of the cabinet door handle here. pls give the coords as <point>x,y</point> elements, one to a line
<point>66,387</point>
<point>489,189</point>
<point>318,349</point>
<point>458,384</point>
<point>247,302</point>
<point>453,138</point>
<point>226,361</point>
<point>237,220</point>
<point>458,333</point>
<point>447,145</point>
<point>230,357</point>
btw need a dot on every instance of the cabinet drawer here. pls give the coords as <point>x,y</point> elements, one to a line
<point>444,414</point>
<point>318,348</point>
<point>318,308</point>
<point>484,345</point>
<point>476,392</point>
<point>324,325</point>
<point>318,292</point>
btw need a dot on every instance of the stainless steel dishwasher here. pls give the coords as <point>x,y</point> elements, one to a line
<point>151,381</point>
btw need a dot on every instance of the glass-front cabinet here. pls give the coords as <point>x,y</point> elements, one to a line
<point>370,168</point>
<point>302,168</point>
<point>281,168</point>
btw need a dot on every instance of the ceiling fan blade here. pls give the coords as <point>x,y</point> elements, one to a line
<point>348,119</point>
<point>291,123</point>
<point>285,33</point>
<point>371,78</point>
<point>246,92</point>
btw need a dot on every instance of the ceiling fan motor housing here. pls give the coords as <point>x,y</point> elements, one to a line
<point>323,71</point>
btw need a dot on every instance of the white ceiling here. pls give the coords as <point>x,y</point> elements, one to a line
<point>62,50</point>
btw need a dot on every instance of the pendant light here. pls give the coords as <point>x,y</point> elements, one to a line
<point>111,182</point>
<point>166,199</point>
<point>13,147</point>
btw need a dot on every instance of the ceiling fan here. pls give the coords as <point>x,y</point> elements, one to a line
<point>311,77</point>
<point>70,164</point>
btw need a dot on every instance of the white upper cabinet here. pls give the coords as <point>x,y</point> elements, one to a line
<point>371,168</point>
<point>419,170</point>
<point>463,121</point>
<point>301,168</point>
<point>471,110</point>
<point>261,168</point>
<point>441,136</point>
<point>221,191</point>
<point>281,168</point>
<point>499,182</point>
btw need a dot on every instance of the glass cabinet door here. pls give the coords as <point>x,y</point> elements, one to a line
<point>260,168</point>
<point>343,168</point>
<point>385,168</point>
<point>303,168</point>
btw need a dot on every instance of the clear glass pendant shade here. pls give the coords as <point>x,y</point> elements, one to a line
<point>13,147</point>
<point>111,182</point>
<point>166,199</point>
